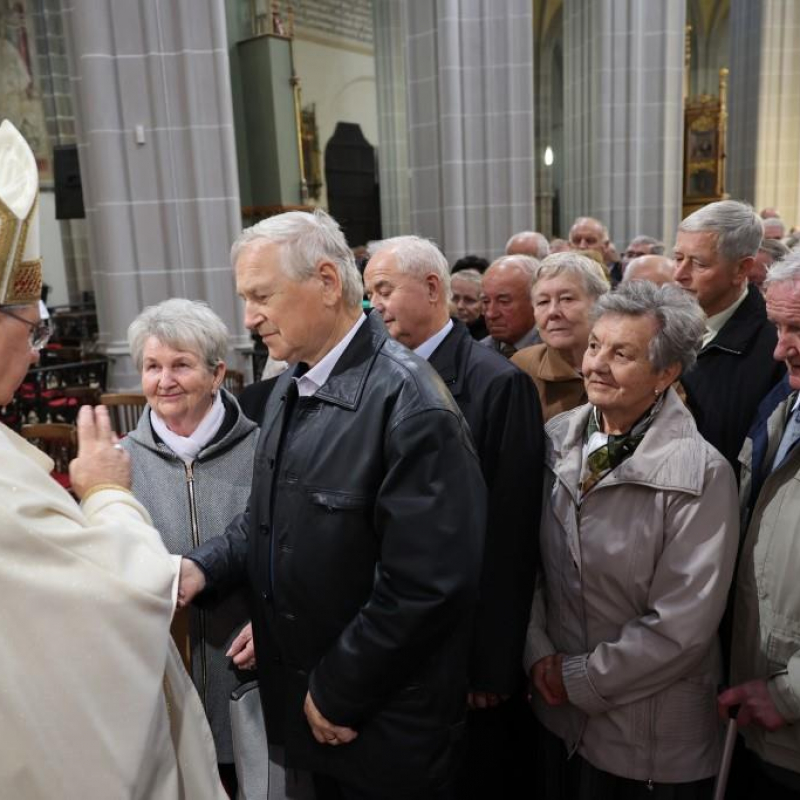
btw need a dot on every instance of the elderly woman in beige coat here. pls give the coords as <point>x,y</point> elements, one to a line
<point>638,540</point>
<point>565,287</point>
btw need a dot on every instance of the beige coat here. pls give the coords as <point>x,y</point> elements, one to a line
<point>88,594</point>
<point>633,586</point>
<point>766,633</point>
<point>560,387</point>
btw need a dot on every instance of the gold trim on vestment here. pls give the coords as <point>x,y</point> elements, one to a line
<point>25,284</point>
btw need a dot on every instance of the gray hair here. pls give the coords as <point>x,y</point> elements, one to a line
<point>184,325</point>
<point>772,223</point>
<point>537,241</point>
<point>786,270</point>
<point>572,263</point>
<point>471,275</point>
<point>305,240</point>
<point>774,248</point>
<point>527,265</point>
<point>415,256</point>
<point>679,319</point>
<point>739,229</point>
<point>656,246</point>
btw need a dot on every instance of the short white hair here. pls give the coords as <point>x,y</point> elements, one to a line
<point>183,325</point>
<point>572,263</point>
<point>469,275</point>
<point>305,240</point>
<point>415,256</point>
<point>527,265</point>
<point>787,269</point>
<point>739,229</point>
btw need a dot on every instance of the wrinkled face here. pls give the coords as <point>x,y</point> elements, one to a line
<point>290,316</point>
<point>587,235</point>
<point>783,310</point>
<point>466,299</point>
<point>619,378</point>
<point>403,300</point>
<point>561,306</point>
<point>178,385</point>
<point>16,353</point>
<point>715,283</point>
<point>507,307</point>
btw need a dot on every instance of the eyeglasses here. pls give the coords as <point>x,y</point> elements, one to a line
<point>39,331</point>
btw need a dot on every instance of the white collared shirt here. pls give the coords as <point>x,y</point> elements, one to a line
<point>425,350</point>
<point>313,380</point>
<point>714,323</point>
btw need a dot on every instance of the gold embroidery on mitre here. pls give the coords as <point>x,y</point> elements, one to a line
<point>25,285</point>
<point>9,223</point>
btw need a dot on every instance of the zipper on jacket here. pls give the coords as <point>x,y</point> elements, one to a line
<point>196,543</point>
<point>651,756</point>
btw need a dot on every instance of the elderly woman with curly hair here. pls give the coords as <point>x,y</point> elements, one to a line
<point>191,463</point>
<point>638,541</point>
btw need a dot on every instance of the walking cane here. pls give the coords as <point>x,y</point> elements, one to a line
<point>727,754</point>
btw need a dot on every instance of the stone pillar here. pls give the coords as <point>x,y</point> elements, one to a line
<point>764,127</point>
<point>623,115</point>
<point>154,121</point>
<point>389,24</point>
<point>469,71</point>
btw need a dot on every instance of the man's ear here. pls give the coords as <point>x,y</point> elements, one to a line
<point>433,287</point>
<point>331,282</point>
<point>742,269</point>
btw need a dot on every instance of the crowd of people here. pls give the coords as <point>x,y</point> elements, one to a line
<point>503,533</point>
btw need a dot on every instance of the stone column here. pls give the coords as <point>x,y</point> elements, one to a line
<point>469,71</point>
<point>623,115</point>
<point>764,127</point>
<point>389,24</point>
<point>154,120</point>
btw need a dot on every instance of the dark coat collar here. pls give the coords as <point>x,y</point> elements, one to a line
<point>345,384</point>
<point>745,323</point>
<point>451,353</point>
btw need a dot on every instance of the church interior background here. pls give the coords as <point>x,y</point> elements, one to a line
<point>162,127</point>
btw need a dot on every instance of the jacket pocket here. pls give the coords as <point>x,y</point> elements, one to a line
<point>337,501</point>
<point>781,646</point>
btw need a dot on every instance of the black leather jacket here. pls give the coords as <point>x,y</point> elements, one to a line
<point>362,549</point>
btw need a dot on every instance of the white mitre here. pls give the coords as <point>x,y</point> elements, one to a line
<point>20,256</point>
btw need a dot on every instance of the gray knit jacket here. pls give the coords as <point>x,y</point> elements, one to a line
<point>222,474</point>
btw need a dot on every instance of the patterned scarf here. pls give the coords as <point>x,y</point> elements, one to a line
<point>603,452</point>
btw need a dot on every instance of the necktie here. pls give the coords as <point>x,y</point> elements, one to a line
<point>507,349</point>
<point>791,435</point>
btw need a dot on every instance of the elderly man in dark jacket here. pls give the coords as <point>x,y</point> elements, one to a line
<point>408,281</point>
<point>714,251</point>
<point>363,538</point>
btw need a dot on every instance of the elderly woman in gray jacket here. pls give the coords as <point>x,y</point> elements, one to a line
<point>192,463</point>
<point>638,539</point>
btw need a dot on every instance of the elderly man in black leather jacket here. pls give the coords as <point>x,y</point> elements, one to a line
<point>362,542</point>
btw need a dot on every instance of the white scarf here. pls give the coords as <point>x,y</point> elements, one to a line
<point>187,447</point>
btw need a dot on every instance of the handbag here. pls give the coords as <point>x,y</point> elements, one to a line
<point>250,749</point>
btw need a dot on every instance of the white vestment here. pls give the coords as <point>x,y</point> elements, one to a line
<point>94,702</point>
